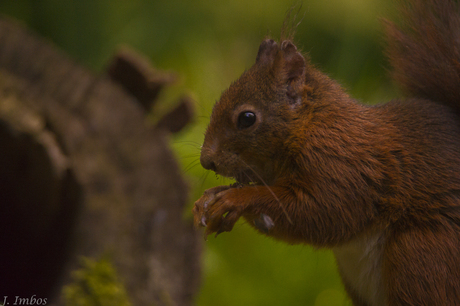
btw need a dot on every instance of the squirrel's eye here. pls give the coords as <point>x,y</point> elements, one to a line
<point>246,119</point>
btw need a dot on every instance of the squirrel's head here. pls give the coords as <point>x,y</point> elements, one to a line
<point>252,122</point>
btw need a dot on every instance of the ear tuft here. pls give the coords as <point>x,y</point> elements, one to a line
<point>288,46</point>
<point>267,51</point>
<point>294,62</point>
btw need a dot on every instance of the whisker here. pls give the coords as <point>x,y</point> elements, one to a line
<point>187,141</point>
<point>178,158</point>
<point>191,155</point>
<point>204,178</point>
<point>190,166</point>
<point>193,144</point>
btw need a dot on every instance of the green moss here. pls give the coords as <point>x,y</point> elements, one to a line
<point>95,284</point>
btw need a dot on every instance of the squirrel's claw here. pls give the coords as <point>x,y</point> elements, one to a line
<point>203,221</point>
<point>216,210</point>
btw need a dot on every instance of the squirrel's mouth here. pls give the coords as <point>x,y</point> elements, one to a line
<point>244,178</point>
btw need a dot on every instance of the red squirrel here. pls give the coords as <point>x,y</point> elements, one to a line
<point>378,185</point>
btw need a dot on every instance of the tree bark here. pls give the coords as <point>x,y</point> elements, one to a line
<point>82,174</point>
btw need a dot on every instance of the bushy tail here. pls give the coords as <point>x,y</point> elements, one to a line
<point>424,50</point>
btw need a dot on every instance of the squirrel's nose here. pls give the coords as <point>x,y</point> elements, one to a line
<point>208,163</point>
<point>208,152</point>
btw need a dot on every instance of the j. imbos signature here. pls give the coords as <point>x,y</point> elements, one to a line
<point>18,300</point>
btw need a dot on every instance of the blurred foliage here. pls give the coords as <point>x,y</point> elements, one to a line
<point>95,284</point>
<point>210,43</point>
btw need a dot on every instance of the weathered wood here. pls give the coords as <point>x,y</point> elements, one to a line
<point>136,75</point>
<point>39,199</point>
<point>96,156</point>
<point>178,117</point>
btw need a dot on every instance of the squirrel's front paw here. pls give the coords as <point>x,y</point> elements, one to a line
<point>216,210</point>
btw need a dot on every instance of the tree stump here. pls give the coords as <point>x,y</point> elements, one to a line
<point>82,174</point>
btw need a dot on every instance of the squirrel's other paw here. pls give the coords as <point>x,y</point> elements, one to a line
<point>216,210</point>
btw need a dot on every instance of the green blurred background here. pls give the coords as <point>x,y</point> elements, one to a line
<point>210,43</point>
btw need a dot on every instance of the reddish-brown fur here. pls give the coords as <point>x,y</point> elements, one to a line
<point>380,183</point>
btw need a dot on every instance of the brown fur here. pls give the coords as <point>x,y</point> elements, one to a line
<point>329,171</point>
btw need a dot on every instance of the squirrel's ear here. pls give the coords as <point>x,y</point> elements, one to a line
<point>293,61</point>
<point>267,51</point>
<point>285,59</point>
